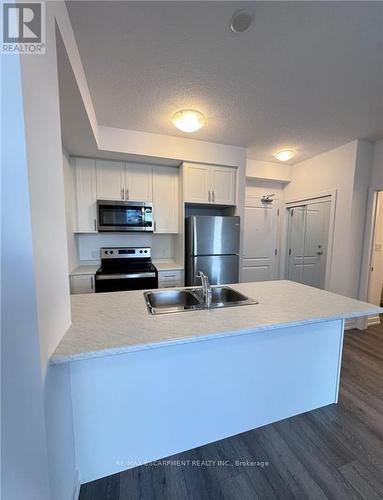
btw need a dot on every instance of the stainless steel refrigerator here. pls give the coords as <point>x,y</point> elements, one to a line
<point>212,246</point>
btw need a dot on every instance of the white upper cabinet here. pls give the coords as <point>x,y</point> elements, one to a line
<point>138,184</point>
<point>117,180</point>
<point>209,184</point>
<point>165,200</point>
<point>223,185</point>
<point>110,180</point>
<point>86,195</point>
<point>197,183</point>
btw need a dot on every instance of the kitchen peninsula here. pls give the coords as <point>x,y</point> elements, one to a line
<point>145,387</point>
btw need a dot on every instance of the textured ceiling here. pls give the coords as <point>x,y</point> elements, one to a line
<point>307,75</point>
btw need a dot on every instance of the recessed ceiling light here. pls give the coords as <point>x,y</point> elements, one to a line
<point>189,120</point>
<point>241,20</point>
<point>285,155</point>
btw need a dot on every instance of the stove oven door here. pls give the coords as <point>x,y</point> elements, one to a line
<point>121,282</point>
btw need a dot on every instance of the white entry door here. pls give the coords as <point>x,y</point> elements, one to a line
<point>307,243</point>
<point>260,244</point>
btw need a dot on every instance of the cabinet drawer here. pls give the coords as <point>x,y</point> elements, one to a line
<point>170,284</point>
<point>170,275</point>
<point>82,283</point>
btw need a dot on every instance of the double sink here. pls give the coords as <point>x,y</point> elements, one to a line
<point>171,301</point>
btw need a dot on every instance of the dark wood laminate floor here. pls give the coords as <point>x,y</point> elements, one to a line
<point>335,452</point>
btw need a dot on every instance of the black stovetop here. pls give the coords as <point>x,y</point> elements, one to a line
<point>121,266</point>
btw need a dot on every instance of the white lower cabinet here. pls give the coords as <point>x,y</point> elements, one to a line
<point>82,283</point>
<point>170,279</point>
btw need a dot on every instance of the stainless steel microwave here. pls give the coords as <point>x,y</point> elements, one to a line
<point>118,216</point>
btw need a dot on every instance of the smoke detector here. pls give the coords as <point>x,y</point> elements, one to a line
<point>241,21</point>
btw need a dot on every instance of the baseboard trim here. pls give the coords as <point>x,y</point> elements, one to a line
<point>373,320</point>
<point>350,324</point>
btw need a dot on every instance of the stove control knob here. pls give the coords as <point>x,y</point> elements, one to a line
<point>146,251</point>
<point>106,251</point>
<point>111,251</point>
<point>140,251</point>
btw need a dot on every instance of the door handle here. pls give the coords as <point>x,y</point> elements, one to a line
<point>127,193</point>
<point>212,196</point>
<point>209,196</point>
<point>122,194</point>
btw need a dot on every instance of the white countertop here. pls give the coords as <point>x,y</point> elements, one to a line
<point>86,269</point>
<point>105,324</point>
<point>167,265</point>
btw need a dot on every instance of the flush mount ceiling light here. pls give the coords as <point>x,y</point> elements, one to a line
<point>285,155</point>
<point>241,21</point>
<point>189,120</point>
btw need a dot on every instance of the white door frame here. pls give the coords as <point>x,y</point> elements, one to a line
<point>304,200</point>
<point>368,240</point>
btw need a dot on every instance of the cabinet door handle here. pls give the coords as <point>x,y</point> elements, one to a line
<point>122,194</point>
<point>95,224</point>
<point>212,196</point>
<point>91,283</point>
<point>127,193</point>
<point>209,196</point>
<point>155,226</point>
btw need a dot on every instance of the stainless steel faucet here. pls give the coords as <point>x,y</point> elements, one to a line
<point>206,288</point>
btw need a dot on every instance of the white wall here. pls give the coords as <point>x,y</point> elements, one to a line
<point>46,186</point>
<point>50,256</point>
<point>258,188</point>
<point>268,170</point>
<point>345,169</point>
<point>362,176</point>
<point>375,184</point>
<point>164,146</point>
<point>24,471</point>
<point>70,205</point>
<point>376,277</point>
<point>377,169</point>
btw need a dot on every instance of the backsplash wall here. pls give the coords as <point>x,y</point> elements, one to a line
<point>88,245</point>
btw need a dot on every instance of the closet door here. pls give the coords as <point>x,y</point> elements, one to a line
<point>307,243</point>
<point>315,247</point>
<point>295,243</point>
